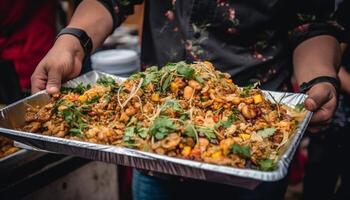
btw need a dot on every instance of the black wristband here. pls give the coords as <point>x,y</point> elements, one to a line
<point>304,87</point>
<point>82,36</point>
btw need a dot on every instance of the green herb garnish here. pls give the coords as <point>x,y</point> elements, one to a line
<point>79,89</point>
<point>266,132</point>
<point>299,107</point>
<point>185,70</point>
<point>199,79</point>
<point>246,90</point>
<point>73,117</point>
<point>93,100</point>
<point>231,119</point>
<point>166,83</point>
<point>106,81</point>
<point>267,165</point>
<point>129,134</point>
<point>173,105</point>
<point>208,132</point>
<point>241,150</point>
<point>143,132</point>
<point>162,126</point>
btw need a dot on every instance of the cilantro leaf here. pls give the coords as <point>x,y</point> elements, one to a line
<point>143,132</point>
<point>75,131</point>
<point>199,79</point>
<point>68,115</point>
<point>79,130</point>
<point>235,111</point>
<point>170,66</point>
<point>241,150</point>
<point>161,127</point>
<point>231,119</point>
<point>93,100</point>
<point>266,132</point>
<point>299,107</point>
<point>172,104</point>
<point>208,132</point>
<point>185,70</point>
<point>106,81</point>
<point>132,121</point>
<point>184,117</point>
<point>150,75</point>
<point>267,165</point>
<point>129,134</point>
<point>167,82</point>
<point>73,117</point>
<point>79,89</point>
<point>246,90</point>
<point>189,131</point>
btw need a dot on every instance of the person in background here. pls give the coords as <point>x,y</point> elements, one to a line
<point>27,32</point>
<point>253,40</point>
<point>327,174</point>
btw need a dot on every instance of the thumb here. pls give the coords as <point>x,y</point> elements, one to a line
<point>54,80</point>
<point>318,96</point>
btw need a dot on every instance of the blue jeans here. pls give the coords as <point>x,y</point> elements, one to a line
<point>151,188</point>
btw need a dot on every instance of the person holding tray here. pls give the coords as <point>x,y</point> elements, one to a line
<point>253,40</point>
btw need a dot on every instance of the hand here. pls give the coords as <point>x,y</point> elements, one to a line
<point>322,101</point>
<point>61,63</point>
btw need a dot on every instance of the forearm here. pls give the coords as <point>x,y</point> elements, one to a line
<point>318,56</point>
<point>95,19</point>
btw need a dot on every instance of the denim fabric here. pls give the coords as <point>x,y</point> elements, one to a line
<point>147,187</point>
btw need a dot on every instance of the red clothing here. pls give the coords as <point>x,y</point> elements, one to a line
<point>29,42</point>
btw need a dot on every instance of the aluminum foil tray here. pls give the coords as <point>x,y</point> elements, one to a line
<point>9,157</point>
<point>12,117</point>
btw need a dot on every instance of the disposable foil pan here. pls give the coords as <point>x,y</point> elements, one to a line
<point>5,158</point>
<point>12,117</point>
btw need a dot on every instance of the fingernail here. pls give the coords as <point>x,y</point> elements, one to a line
<point>52,89</point>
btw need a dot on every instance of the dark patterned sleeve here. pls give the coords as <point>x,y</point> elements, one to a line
<point>343,17</point>
<point>119,9</point>
<point>313,18</point>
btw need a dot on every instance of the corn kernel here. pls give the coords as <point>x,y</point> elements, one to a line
<point>82,98</point>
<point>244,136</point>
<point>257,98</point>
<point>216,155</point>
<point>155,97</point>
<point>186,151</point>
<point>174,87</point>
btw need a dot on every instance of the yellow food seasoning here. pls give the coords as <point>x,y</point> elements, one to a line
<point>257,98</point>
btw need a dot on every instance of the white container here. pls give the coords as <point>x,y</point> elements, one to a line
<point>121,62</point>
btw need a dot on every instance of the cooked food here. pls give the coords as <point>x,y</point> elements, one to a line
<point>189,111</point>
<point>6,147</point>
